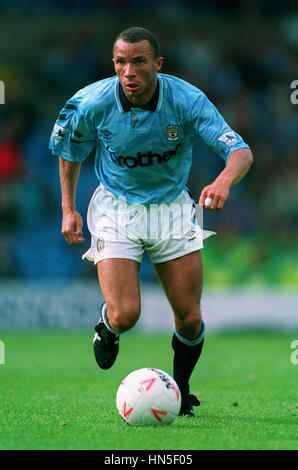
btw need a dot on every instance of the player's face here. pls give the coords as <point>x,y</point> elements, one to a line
<point>137,70</point>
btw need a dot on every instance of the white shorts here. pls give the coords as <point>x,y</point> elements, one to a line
<point>120,230</point>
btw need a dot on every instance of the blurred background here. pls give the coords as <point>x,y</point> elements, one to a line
<point>244,56</point>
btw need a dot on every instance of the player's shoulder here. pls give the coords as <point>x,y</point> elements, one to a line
<point>96,95</point>
<point>179,87</point>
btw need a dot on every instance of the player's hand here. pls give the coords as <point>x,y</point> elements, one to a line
<point>218,192</point>
<point>72,225</point>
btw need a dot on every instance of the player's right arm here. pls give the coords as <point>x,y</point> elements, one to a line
<point>72,222</point>
<point>72,140</point>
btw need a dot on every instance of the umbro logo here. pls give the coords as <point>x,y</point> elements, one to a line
<point>106,132</point>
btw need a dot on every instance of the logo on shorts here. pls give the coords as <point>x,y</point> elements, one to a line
<point>100,244</point>
<point>172,132</point>
<point>191,235</point>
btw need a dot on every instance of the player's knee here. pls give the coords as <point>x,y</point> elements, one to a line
<point>124,317</point>
<point>189,319</point>
<point>188,313</point>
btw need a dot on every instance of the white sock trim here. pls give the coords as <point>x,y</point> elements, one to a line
<point>105,320</point>
<point>192,342</point>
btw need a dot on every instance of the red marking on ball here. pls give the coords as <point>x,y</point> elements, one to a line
<point>150,383</point>
<point>177,392</point>
<point>158,412</point>
<point>125,411</point>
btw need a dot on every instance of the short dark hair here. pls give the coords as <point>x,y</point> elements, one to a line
<point>137,34</point>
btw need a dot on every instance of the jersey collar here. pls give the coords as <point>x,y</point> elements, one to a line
<point>125,105</point>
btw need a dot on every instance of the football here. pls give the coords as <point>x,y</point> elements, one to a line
<point>148,397</point>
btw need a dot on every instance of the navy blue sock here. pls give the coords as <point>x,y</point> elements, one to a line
<point>186,355</point>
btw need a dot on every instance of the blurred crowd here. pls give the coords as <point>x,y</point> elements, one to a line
<point>244,62</point>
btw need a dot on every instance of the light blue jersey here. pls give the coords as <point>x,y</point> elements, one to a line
<point>144,155</point>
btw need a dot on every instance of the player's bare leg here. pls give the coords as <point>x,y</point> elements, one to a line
<point>119,282</point>
<point>182,281</point>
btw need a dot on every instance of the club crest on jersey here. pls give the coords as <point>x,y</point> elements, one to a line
<point>100,244</point>
<point>59,133</point>
<point>228,138</point>
<point>172,132</point>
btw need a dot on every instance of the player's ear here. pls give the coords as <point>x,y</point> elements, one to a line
<point>159,62</point>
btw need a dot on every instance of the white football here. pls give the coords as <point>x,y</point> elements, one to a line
<point>148,397</point>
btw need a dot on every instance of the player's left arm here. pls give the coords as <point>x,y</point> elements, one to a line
<point>236,168</point>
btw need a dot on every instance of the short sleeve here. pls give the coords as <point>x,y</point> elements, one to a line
<point>211,127</point>
<point>74,135</point>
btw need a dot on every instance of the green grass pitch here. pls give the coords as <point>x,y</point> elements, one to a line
<point>53,396</point>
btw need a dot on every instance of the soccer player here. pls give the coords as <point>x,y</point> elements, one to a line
<point>140,126</point>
